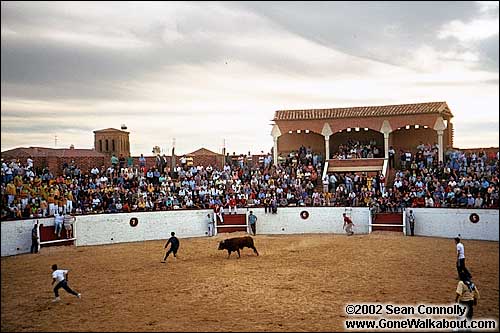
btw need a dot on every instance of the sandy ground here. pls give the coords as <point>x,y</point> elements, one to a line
<point>298,283</point>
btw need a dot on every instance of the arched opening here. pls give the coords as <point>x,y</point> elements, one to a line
<point>107,145</point>
<point>100,146</point>
<point>113,144</point>
<point>292,141</point>
<point>409,137</point>
<point>357,143</point>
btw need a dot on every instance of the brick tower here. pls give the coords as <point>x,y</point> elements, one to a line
<point>112,141</point>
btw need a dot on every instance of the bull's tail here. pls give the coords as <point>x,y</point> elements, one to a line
<point>252,246</point>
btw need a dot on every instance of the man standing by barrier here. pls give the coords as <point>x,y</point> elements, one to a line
<point>348,225</point>
<point>211,225</point>
<point>252,219</point>
<point>34,239</point>
<point>411,221</point>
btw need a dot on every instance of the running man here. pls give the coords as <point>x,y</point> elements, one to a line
<point>174,246</point>
<point>61,276</point>
<point>348,225</point>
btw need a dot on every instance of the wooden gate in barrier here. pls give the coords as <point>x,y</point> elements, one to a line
<point>388,222</point>
<point>232,223</point>
<point>47,237</point>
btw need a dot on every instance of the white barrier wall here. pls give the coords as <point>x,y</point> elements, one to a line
<point>115,228</point>
<point>447,222</point>
<point>320,220</point>
<point>16,236</point>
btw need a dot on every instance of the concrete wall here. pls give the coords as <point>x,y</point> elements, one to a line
<point>445,222</point>
<point>320,220</point>
<point>115,228</point>
<point>16,236</point>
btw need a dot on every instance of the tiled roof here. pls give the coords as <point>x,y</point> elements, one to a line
<point>365,111</point>
<point>202,151</point>
<point>47,152</point>
<point>110,130</point>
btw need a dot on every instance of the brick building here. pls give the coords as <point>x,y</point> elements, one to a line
<point>206,157</point>
<point>112,141</point>
<point>401,126</point>
<point>55,159</point>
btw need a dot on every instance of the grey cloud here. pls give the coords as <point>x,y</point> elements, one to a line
<point>489,50</point>
<point>454,83</point>
<point>476,127</point>
<point>382,31</point>
<point>42,127</point>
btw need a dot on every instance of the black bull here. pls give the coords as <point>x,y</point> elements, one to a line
<point>237,243</point>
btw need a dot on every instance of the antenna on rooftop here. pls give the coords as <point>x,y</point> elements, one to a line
<point>173,153</point>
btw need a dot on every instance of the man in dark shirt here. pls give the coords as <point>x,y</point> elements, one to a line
<point>174,246</point>
<point>34,239</point>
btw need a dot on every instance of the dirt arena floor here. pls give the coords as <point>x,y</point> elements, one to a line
<point>298,283</point>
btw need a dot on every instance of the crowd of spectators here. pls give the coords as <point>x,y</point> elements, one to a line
<point>463,181</point>
<point>358,149</point>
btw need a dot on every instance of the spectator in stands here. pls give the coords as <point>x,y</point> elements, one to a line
<point>58,223</point>
<point>114,161</point>
<point>69,219</point>
<point>392,155</point>
<point>218,213</point>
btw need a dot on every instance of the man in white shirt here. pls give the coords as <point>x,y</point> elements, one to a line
<point>461,258</point>
<point>211,225</point>
<point>61,276</point>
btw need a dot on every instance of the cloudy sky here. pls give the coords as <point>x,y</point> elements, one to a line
<point>207,72</point>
